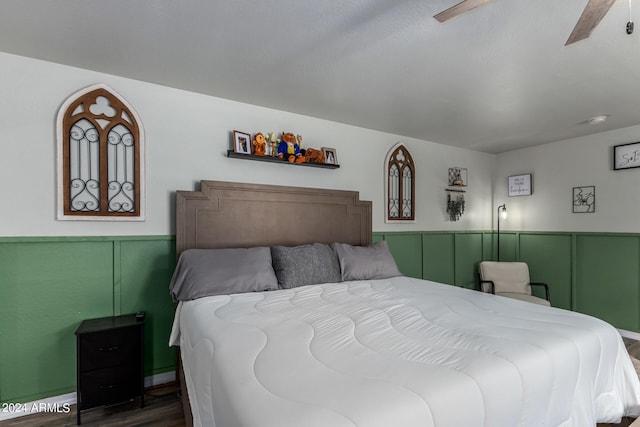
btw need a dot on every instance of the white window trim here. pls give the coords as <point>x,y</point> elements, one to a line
<point>60,161</point>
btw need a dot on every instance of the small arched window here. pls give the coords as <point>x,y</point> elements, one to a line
<point>400,185</point>
<point>100,157</point>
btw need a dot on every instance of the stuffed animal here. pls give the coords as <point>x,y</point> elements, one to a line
<point>259,144</point>
<point>289,148</point>
<point>312,155</point>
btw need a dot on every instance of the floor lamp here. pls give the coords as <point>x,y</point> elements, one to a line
<point>502,213</point>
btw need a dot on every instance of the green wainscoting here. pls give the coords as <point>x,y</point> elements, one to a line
<point>607,272</point>
<point>593,273</point>
<point>49,285</point>
<point>441,256</point>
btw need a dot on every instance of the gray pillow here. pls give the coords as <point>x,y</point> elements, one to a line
<point>206,272</point>
<point>366,262</point>
<point>305,265</point>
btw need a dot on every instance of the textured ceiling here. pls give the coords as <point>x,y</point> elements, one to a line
<point>495,79</point>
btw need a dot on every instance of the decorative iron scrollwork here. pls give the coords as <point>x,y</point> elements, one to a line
<point>400,185</point>
<point>101,156</point>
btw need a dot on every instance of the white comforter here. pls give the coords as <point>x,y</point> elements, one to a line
<point>398,352</point>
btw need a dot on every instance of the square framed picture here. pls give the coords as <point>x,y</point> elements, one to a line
<point>584,199</point>
<point>626,156</point>
<point>330,156</point>
<point>520,185</point>
<point>241,142</point>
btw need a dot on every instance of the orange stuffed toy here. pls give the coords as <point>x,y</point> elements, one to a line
<point>312,155</point>
<point>259,144</point>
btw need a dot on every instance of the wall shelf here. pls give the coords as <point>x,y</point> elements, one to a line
<point>232,154</point>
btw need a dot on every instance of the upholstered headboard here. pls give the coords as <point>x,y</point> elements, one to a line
<point>235,215</point>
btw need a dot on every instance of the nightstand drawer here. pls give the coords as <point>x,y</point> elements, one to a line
<point>108,348</point>
<point>110,385</point>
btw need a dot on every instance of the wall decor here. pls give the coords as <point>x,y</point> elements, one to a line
<point>400,185</point>
<point>455,203</point>
<point>626,156</point>
<point>458,177</point>
<point>100,157</point>
<point>584,199</point>
<point>267,147</point>
<point>330,155</point>
<point>520,185</point>
<point>241,142</point>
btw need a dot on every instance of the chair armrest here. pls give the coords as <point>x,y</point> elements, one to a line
<point>489,282</point>
<point>546,288</point>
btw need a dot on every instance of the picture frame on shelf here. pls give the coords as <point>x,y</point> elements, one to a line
<point>520,185</point>
<point>458,177</point>
<point>241,142</point>
<point>330,155</point>
<point>584,199</point>
<point>626,156</point>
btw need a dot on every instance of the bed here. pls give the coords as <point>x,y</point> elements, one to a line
<point>363,345</point>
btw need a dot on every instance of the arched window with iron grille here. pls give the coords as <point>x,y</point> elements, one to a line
<point>400,185</point>
<point>100,157</point>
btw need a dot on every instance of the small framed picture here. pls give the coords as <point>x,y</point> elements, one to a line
<point>330,156</point>
<point>241,142</point>
<point>457,177</point>
<point>584,199</point>
<point>520,185</point>
<point>626,156</point>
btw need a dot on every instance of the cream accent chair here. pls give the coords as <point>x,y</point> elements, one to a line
<point>509,279</point>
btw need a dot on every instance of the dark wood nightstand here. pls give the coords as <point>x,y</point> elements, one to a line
<point>110,361</point>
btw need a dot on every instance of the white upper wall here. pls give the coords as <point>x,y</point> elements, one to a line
<point>560,166</point>
<point>187,135</point>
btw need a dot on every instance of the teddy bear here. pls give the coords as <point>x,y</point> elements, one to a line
<point>312,155</point>
<point>289,148</point>
<point>259,144</point>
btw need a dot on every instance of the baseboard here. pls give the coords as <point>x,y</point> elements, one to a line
<point>157,379</point>
<point>63,402</point>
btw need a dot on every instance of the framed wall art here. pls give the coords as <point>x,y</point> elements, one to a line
<point>241,142</point>
<point>626,156</point>
<point>584,199</point>
<point>458,177</point>
<point>520,185</point>
<point>330,155</point>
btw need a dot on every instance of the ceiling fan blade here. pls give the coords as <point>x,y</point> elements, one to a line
<point>591,16</point>
<point>460,8</point>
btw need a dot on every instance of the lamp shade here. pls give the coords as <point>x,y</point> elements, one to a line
<point>502,211</point>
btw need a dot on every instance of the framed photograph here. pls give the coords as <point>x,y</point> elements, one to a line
<point>330,156</point>
<point>241,142</point>
<point>584,199</point>
<point>520,185</point>
<point>626,156</point>
<point>457,177</point>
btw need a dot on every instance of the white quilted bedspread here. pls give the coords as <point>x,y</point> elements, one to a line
<point>398,352</point>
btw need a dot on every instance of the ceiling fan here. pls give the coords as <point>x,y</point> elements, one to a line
<point>591,16</point>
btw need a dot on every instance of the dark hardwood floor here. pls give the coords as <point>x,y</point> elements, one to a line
<point>162,408</point>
